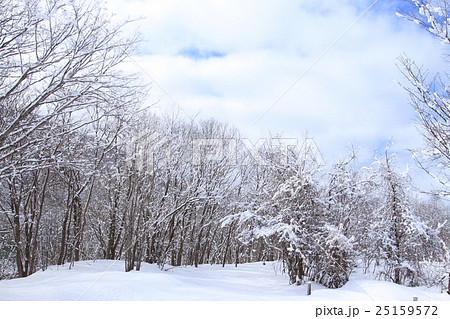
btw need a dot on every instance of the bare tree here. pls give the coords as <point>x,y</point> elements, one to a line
<point>57,57</point>
<point>61,84</point>
<point>430,97</point>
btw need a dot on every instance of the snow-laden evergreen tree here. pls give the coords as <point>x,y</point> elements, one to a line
<point>346,199</point>
<point>401,241</point>
<point>296,221</point>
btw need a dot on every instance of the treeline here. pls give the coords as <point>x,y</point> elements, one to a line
<point>155,197</point>
<point>85,173</point>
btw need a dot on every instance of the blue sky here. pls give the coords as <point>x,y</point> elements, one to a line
<point>235,60</point>
<point>200,54</point>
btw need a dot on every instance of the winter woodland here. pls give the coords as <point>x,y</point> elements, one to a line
<point>86,172</point>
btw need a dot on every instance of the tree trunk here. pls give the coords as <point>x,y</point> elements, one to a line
<point>227,245</point>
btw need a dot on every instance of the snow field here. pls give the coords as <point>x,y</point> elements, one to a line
<point>106,280</point>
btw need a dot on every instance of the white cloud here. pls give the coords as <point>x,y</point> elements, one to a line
<point>349,96</point>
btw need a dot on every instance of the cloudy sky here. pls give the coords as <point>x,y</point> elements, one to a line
<point>286,66</point>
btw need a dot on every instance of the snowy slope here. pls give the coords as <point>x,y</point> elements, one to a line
<point>106,280</point>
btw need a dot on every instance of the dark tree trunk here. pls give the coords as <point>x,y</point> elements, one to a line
<point>227,245</point>
<point>62,249</point>
<point>295,268</point>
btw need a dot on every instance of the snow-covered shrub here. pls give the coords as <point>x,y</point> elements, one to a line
<point>335,259</point>
<point>434,274</point>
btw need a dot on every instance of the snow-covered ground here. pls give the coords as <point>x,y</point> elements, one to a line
<point>106,280</point>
